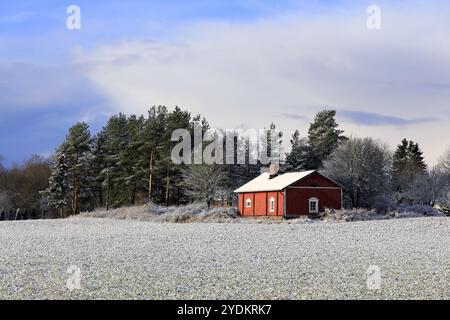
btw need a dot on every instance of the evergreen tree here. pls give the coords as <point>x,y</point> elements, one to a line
<point>57,194</point>
<point>97,164</point>
<point>273,153</point>
<point>408,164</point>
<point>170,174</point>
<point>296,159</point>
<point>239,172</point>
<point>115,133</point>
<point>128,160</point>
<point>148,145</point>
<point>77,148</point>
<point>323,138</point>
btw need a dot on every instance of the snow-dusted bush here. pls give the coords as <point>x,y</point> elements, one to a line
<point>127,213</point>
<point>400,211</point>
<point>356,214</point>
<point>196,212</point>
<point>416,210</point>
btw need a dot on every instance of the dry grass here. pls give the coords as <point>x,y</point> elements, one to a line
<point>402,211</point>
<point>199,213</point>
<point>196,212</point>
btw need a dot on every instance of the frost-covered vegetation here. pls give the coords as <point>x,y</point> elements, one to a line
<point>196,212</point>
<point>402,211</point>
<point>199,212</point>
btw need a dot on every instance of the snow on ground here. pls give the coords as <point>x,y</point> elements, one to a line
<point>143,260</point>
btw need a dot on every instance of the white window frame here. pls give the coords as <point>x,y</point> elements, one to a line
<point>272,204</point>
<point>311,201</point>
<point>248,203</point>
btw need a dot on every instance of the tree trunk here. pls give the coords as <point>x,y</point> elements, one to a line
<point>75,191</point>
<point>100,196</point>
<point>133,195</point>
<point>108,189</point>
<point>75,196</point>
<point>150,175</point>
<point>167,189</point>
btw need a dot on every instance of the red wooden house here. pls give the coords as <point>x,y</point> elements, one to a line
<point>289,195</point>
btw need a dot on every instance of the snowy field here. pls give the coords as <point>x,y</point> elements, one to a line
<point>115,259</point>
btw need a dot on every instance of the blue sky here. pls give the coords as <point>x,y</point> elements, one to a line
<point>229,60</point>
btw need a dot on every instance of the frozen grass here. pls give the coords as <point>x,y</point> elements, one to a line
<point>402,211</point>
<point>195,212</point>
<point>199,213</point>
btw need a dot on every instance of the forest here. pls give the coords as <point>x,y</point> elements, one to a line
<point>129,162</point>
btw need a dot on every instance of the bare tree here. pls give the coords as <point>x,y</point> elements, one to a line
<point>444,163</point>
<point>202,181</point>
<point>426,188</point>
<point>443,172</point>
<point>361,166</point>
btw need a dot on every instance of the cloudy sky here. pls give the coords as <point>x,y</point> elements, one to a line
<point>239,63</point>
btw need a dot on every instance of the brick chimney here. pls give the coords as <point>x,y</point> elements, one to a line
<point>273,171</point>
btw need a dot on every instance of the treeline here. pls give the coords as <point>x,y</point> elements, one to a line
<point>20,187</point>
<point>129,162</point>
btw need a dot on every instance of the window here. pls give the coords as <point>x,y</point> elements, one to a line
<point>313,205</point>
<point>272,204</point>
<point>248,203</point>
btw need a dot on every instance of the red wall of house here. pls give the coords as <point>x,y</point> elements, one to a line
<point>298,200</point>
<point>313,186</point>
<point>260,204</point>
<point>315,180</point>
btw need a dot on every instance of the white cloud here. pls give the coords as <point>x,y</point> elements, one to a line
<point>254,73</point>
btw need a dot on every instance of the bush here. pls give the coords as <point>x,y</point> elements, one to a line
<point>356,214</point>
<point>196,212</point>
<point>416,210</point>
<point>400,211</point>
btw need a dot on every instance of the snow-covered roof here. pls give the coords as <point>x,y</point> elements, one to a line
<point>278,183</point>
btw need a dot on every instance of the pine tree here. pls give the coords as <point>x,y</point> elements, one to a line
<point>57,194</point>
<point>127,160</point>
<point>273,153</point>
<point>148,145</point>
<point>408,164</point>
<point>97,164</point>
<point>170,173</point>
<point>115,133</point>
<point>323,138</point>
<point>296,159</point>
<point>239,173</point>
<point>77,148</point>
